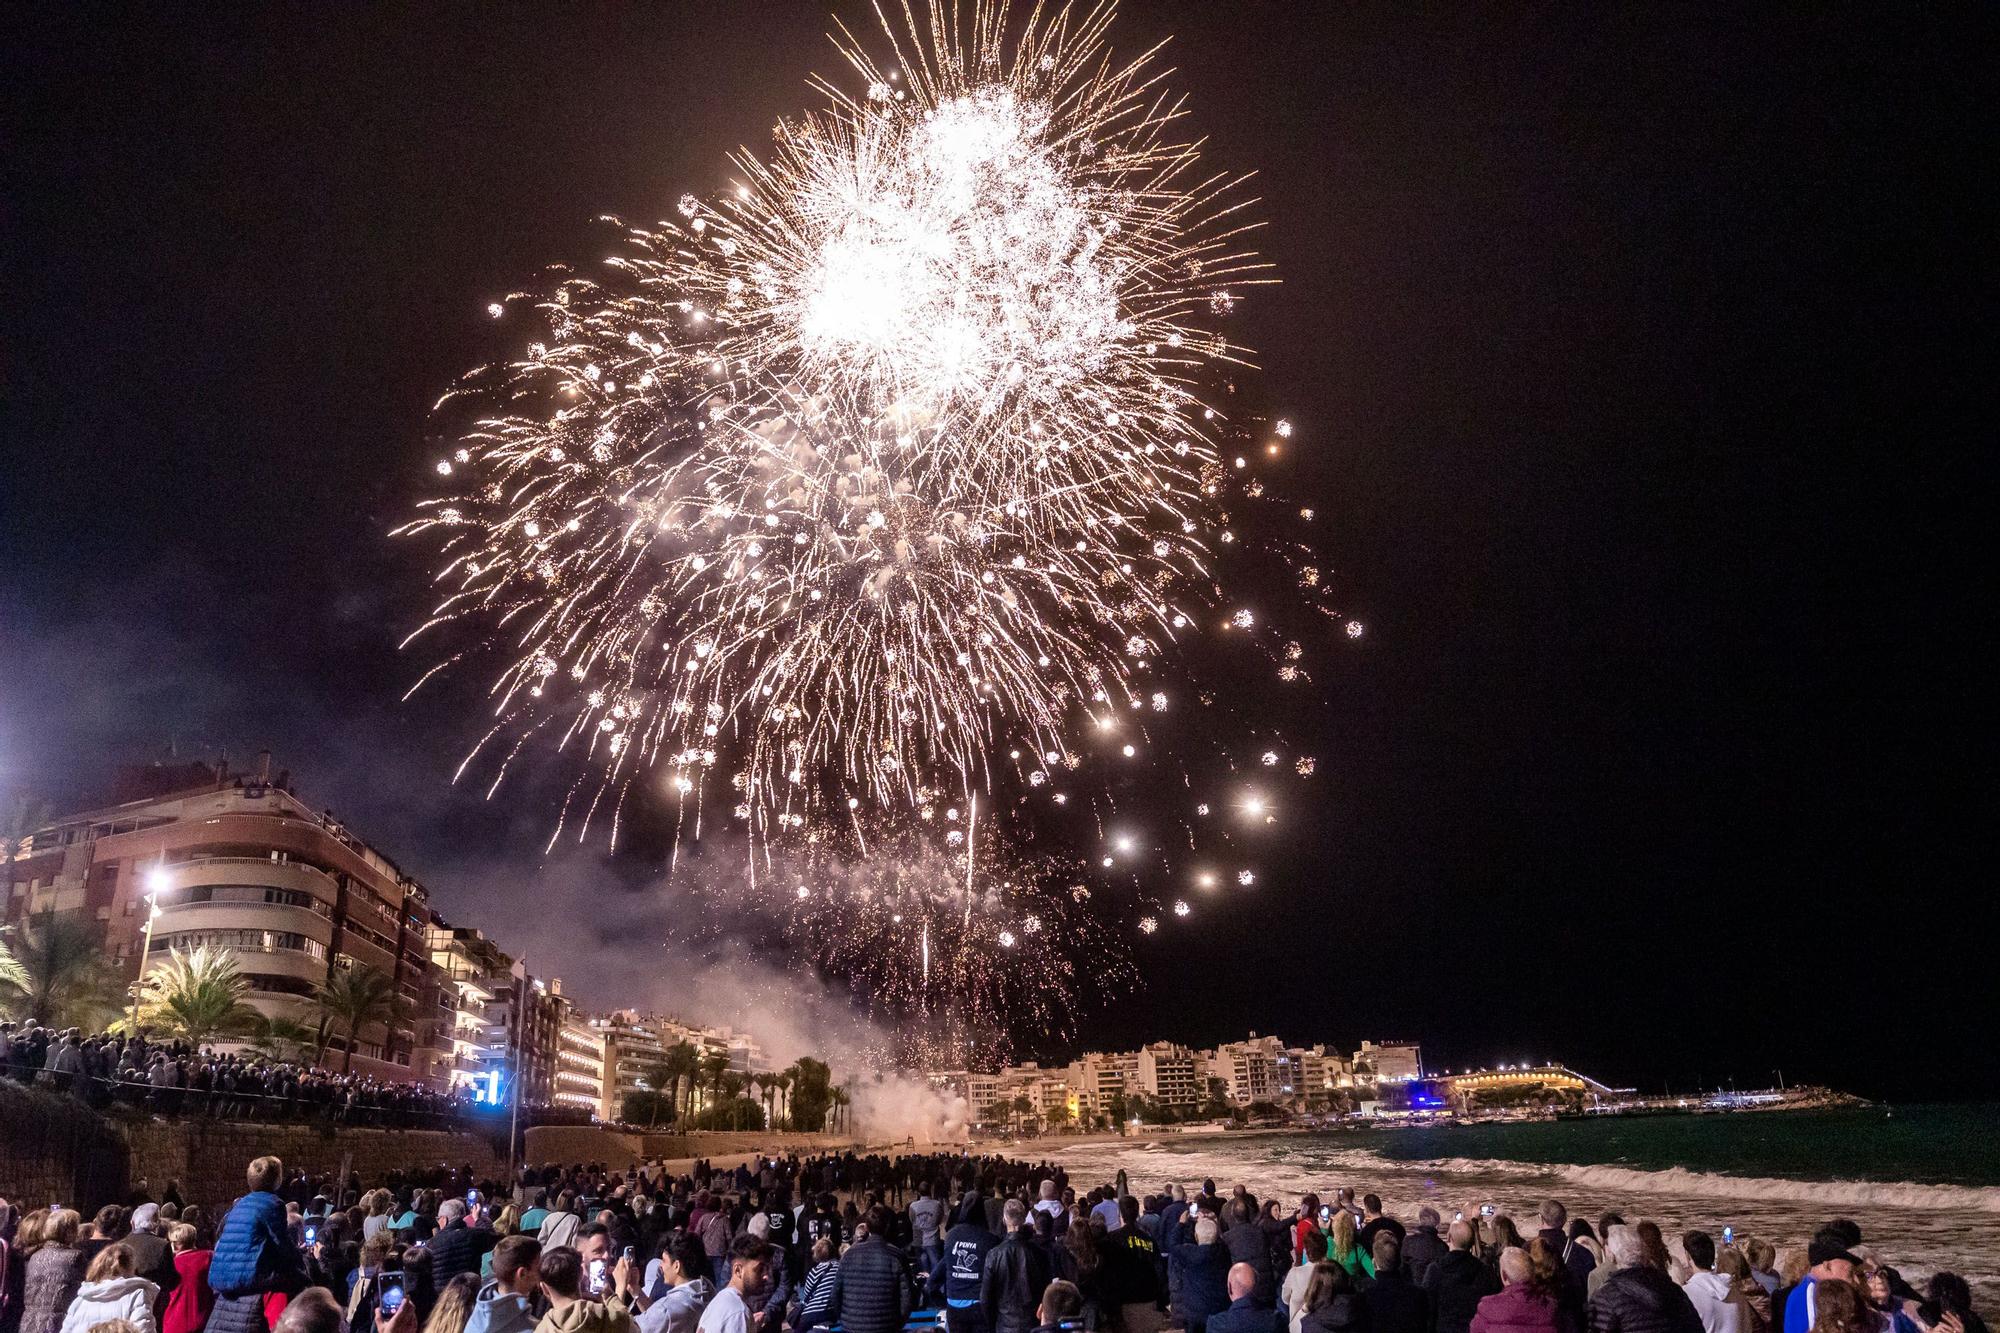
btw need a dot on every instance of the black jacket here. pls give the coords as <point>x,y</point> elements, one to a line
<point>1396,1305</point>
<point>1421,1249</point>
<point>457,1249</point>
<point>1131,1268</point>
<point>1201,1287</point>
<point>1642,1300</point>
<point>1343,1314</point>
<point>1247,1244</point>
<point>1458,1282</point>
<point>1246,1316</point>
<point>871,1293</point>
<point>1011,1285</point>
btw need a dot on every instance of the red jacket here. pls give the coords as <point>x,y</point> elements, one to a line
<point>191,1299</point>
<point>1517,1309</point>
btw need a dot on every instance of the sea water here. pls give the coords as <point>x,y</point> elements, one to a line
<point>1923,1182</point>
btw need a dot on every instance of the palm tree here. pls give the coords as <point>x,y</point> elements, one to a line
<point>683,1062</point>
<point>840,1103</point>
<point>713,1066</point>
<point>783,1080</point>
<point>659,1077</point>
<point>356,997</point>
<point>282,1039</point>
<point>1058,1115</point>
<point>732,1092</point>
<point>13,977</point>
<point>65,982</point>
<point>196,996</point>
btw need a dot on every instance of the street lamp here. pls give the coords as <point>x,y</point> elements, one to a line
<point>157,882</point>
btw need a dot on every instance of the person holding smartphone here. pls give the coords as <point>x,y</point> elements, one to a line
<point>458,1246</point>
<point>573,1308</point>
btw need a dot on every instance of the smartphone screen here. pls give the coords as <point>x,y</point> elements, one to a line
<point>626,1254</point>
<point>1486,1210</point>
<point>392,1297</point>
<point>1729,1235</point>
<point>312,1234</point>
<point>597,1275</point>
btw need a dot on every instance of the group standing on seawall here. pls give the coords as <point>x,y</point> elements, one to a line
<point>856,1243</point>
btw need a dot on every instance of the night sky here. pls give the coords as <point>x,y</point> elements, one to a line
<point>1635,353</point>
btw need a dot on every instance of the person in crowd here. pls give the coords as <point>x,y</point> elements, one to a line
<point>954,1281</point>
<point>453,1306</point>
<point>816,1291</point>
<point>1060,1309</point>
<point>1887,1308</point>
<point>1244,1315</point>
<point>1200,1270</point>
<point>1292,1291</point>
<point>729,1311</point>
<point>152,1254</point>
<point>111,1290</point>
<point>1332,1300</point>
<point>1393,1303</point>
<point>1013,1276</point>
<point>1422,1246</point>
<point>1374,1222</point>
<point>505,1302</point>
<point>457,1247</point>
<point>255,1257</point>
<point>1246,1243</point>
<point>1838,1307</point>
<point>191,1298</point>
<point>53,1273</point>
<point>1504,1236</point>
<point>871,1291</point>
<point>1344,1248</point>
<point>1527,1301</point>
<point>1763,1257</point>
<point>1828,1259</point>
<point>1459,1281</point>
<point>1638,1296</point>
<point>1576,1260</point>
<point>1947,1305</point>
<point>312,1311</point>
<point>927,1225</point>
<point>560,1227</point>
<point>111,1225</point>
<point>15,1230</point>
<point>1707,1290</point>
<point>1655,1246</point>
<point>1133,1289</point>
<point>572,1309</point>
<point>1746,1293</point>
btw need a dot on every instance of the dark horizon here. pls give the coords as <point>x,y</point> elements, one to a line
<point>1634,357</point>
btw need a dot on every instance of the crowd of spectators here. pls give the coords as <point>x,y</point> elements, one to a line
<point>180,1079</point>
<point>874,1244</point>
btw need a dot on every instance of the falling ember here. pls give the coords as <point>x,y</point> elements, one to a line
<point>1181,908</point>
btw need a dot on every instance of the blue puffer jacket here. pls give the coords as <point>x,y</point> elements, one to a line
<point>254,1251</point>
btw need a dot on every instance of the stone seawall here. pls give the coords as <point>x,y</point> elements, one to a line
<point>56,1150</point>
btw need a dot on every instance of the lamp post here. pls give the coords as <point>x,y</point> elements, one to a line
<point>156,884</point>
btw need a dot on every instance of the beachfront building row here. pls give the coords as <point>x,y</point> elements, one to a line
<point>1098,1087</point>
<point>194,854</point>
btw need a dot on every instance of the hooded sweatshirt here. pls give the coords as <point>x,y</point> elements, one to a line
<point>497,1310</point>
<point>127,1298</point>
<point>1709,1291</point>
<point>587,1317</point>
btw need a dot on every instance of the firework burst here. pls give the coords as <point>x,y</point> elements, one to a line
<point>893,451</point>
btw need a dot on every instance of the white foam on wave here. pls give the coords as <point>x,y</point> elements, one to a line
<point>1680,1180</point>
<point>1315,1166</point>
